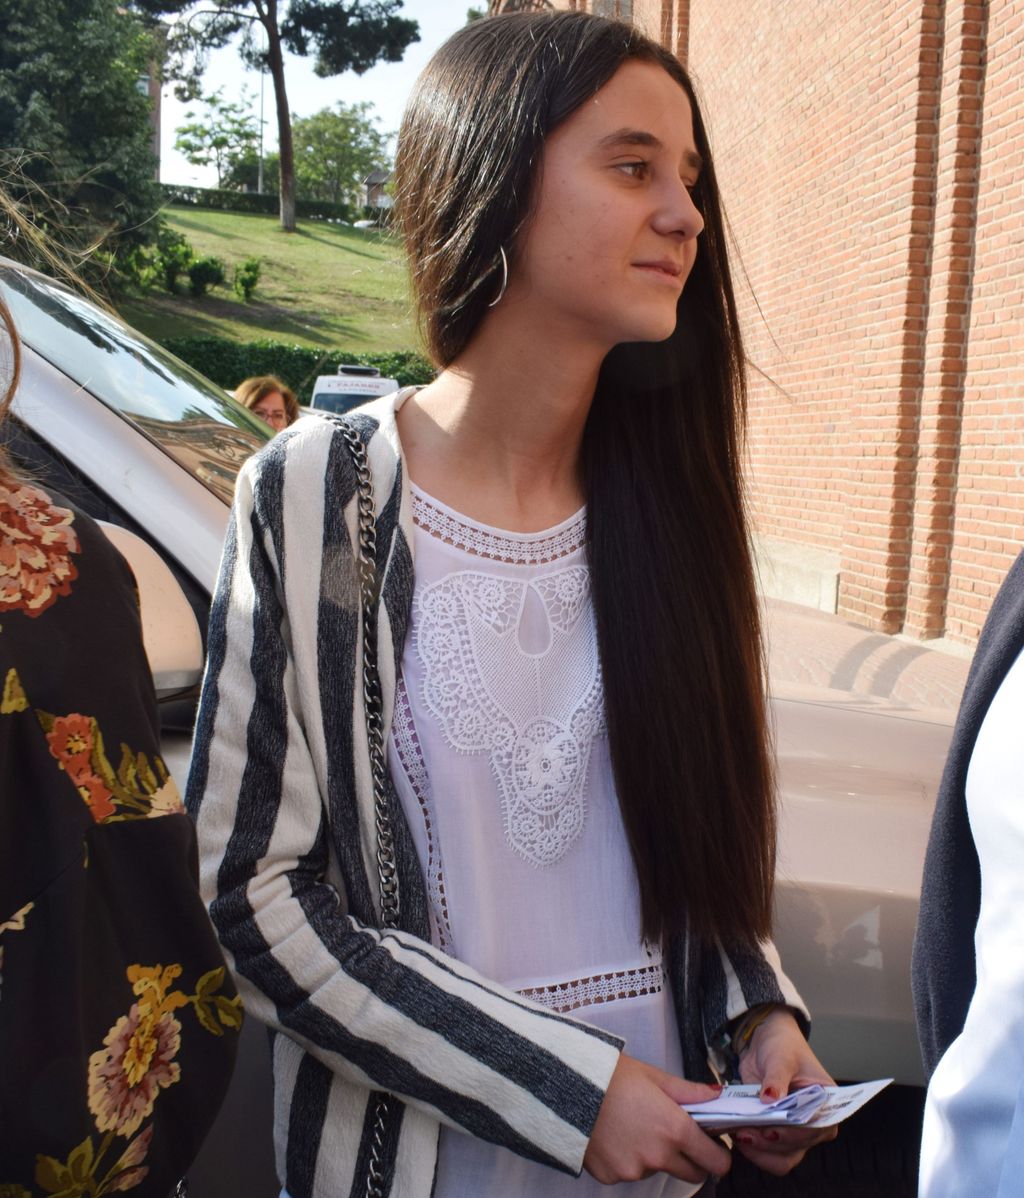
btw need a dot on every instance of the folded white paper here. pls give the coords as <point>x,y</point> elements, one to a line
<point>813,1106</point>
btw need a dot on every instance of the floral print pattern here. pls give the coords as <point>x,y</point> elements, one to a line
<point>127,1076</point>
<point>69,638</point>
<point>72,740</point>
<point>136,789</point>
<point>135,1063</point>
<point>35,553</point>
<point>13,698</point>
<point>15,924</point>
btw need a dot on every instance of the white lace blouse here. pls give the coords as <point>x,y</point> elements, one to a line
<point>501,761</point>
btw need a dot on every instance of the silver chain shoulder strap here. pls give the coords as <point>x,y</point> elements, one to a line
<point>369,591</point>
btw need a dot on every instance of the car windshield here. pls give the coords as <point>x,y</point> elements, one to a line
<point>338,401</point>
<point>192,420</point>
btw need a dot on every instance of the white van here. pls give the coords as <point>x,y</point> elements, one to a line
<point>350,387</point>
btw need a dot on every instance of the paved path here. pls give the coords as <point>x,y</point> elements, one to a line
<point>815,648</point>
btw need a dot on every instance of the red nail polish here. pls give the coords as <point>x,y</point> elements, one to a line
<point>716,1086</point>
<point>770,1092</point>
<point>744,1138</point>
<point>771,1135</point>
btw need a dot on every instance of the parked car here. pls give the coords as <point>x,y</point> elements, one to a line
<point>142,441</point>
<point>350,387</point>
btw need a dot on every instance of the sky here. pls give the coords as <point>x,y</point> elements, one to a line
<point>386,86</point>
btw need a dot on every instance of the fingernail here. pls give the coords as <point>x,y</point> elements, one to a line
<point>771,1135</point>
<point>770,1092</point>
<point>718,1088</point>
<point>743,1137</point>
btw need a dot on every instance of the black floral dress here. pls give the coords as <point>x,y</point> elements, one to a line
<point>118,1022</point>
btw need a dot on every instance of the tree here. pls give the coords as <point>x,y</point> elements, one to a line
<point>243,172</point>
<point>75,135</point>
<point>335,150</point>
<point>225,135</point>
<point>344,35</point>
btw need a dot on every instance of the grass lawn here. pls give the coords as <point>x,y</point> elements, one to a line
<point>325,286</point>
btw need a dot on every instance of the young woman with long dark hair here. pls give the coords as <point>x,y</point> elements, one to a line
<point>580,785</point>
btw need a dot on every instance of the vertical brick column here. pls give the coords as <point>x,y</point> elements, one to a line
<point>681,42</point>
<point>875,570</point>
<point>988,530</point>
<point>647,16</point>
<point>946,350</point>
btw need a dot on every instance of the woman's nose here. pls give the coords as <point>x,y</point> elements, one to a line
<point>680,214</point>
<point>695,220</point>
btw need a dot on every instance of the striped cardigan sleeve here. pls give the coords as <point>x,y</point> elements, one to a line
<point>385,1010</point>
<point>736,978</point>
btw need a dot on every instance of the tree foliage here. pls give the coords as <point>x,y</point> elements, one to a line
<point>223,136</point>
<point>335,150</point>
<point>75,134</point>
<point>341,35</point>
<point>243,172</point>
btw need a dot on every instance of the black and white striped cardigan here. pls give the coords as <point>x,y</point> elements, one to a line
<point>282,797</point>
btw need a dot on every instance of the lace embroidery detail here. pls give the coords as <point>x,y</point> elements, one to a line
<point>519,550</point>
<point>410,754</point>
<point>602,987</point>
<point>535,715</point>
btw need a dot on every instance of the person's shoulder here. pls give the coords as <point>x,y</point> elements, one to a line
<point>314,450</point>
<point>57,556</point>
<point>377,424</point>
<point>298,451</point>
<point>376,419</point>
<point>37,519</point>
<point>24,500</point>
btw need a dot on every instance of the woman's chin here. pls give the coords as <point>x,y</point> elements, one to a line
<point>651,330</point>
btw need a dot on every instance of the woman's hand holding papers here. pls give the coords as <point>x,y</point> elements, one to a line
<point>779,1059</point>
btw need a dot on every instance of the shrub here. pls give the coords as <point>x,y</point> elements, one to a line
<point>246,278</point>
<point>204,273</point>
<point>174,256</point>
<point>227,362</point>
<point>134,269</point>
<point>252,201</point>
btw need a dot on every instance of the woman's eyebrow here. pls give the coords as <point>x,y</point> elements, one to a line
<point>640,137</point>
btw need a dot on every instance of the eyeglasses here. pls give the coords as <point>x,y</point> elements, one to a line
<point>276,419</point>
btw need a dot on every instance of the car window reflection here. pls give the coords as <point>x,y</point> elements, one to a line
<point>193,421</point>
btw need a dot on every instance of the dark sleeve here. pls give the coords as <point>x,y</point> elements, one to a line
<point>943,969</point>
<point>118,1023</point>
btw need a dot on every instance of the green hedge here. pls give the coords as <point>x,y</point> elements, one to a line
<point>228,362</point>
<point>252,201</point>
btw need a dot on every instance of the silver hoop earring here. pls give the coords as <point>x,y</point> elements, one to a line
<point>504,277</point>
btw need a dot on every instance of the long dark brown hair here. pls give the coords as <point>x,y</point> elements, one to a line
<point>676,605</point>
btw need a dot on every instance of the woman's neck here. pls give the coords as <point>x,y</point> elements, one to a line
<point>497,435</point>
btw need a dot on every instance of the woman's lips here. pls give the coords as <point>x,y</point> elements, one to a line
<point>671,272</point>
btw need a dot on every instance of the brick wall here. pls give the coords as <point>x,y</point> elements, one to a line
<point>988,527</point>
<point>818,152</point>
<point>872,167</point>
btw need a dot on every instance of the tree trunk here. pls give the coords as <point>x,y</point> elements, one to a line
<point>275,61</point>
